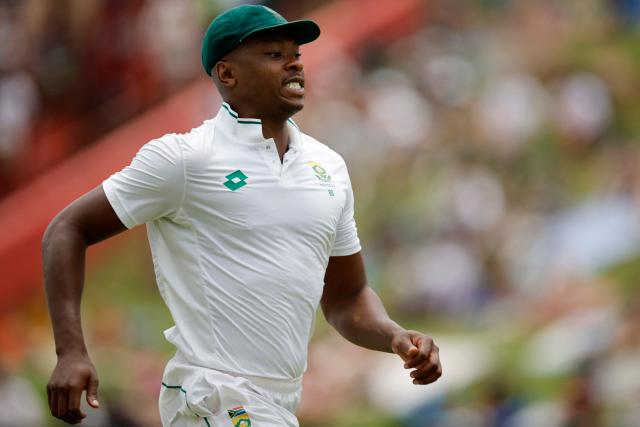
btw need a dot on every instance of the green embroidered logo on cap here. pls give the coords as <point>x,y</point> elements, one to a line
<point>235,180</point>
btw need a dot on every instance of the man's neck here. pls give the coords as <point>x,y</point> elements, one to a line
<point>272,127</point>
<point>277,129</point>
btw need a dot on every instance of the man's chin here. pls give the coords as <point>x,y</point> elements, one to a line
<point>292,106</point>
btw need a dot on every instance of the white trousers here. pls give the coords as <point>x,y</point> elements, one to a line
<point>195,396</point>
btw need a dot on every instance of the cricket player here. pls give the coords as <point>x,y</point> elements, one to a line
<point>251,227</point>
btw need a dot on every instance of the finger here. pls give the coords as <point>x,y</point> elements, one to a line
<point>92,391</point>
<point>424,371</point>
<point>430,379</point>
<point>49,395</point>
<point>429,374</point>
<point>74,410</point>
<point>53,405</point>
<point>417,360</point>
<point>62,404</point>
<point>425,348</point>
<point>406,349</point>
<point>428,365</point>
<point>413,351</point>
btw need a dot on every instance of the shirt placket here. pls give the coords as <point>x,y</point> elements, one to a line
<point>270,155</point>
<point>287,161</point>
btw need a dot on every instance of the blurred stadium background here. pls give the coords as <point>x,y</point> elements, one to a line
<point>493,147</point>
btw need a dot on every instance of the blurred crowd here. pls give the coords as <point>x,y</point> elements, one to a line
<point>71,70</point>
<point>493,156</point>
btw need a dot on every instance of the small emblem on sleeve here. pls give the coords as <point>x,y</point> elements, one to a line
<point>235,180</point>
<point>239,417</point>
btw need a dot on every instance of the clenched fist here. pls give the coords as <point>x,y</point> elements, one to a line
<point>72,375</point>
<point>420,353</point>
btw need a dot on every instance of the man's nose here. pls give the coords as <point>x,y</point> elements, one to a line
<point>295,63</point>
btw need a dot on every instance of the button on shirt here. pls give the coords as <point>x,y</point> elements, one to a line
<point>240,240</point>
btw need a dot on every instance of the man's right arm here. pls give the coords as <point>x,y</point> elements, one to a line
<point>88,220</point>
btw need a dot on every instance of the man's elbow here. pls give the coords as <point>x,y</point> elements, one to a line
<point>60,228</point>
<point>328,312</point>
<point>334,312</point>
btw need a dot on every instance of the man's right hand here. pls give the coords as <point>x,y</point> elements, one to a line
<point>88,220</point>
<point>73,374</point>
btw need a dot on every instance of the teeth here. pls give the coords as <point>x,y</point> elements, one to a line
<point>294,85</point>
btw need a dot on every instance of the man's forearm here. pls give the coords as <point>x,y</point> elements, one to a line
<point>63,255</point>
<point>364,321</point>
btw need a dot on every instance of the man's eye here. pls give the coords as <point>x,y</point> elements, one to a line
<point>298,55</point>
<point>274,54</point>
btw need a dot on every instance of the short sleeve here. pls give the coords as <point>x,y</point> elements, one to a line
<point>347,241</point>
<point>152,186</point>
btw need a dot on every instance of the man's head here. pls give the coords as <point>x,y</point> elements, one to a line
<point>252,54</point>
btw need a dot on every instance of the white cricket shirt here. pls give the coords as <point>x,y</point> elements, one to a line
<point>240,241</point>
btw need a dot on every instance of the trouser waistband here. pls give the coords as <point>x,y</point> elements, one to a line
<point>277,385</point>
<point>271,384</point>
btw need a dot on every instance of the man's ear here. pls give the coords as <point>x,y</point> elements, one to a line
<point>225,73</point>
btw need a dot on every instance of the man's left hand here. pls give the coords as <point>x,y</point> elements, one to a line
<point>419,353</point>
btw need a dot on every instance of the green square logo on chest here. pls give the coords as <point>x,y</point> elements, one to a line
<point>235,180</point>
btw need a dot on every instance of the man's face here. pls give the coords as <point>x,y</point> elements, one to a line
<point>269,76</point>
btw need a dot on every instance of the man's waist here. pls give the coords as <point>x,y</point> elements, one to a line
<point>281,385</point>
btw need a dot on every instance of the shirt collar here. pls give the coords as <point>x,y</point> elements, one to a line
<point>250,130</point>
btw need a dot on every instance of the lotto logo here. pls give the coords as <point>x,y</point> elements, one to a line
<point>235,180</point>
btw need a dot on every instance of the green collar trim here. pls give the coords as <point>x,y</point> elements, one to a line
<point>241,121</point>
<point>249,121</point>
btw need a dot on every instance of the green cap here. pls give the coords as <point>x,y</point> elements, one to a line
<point>233,26</point>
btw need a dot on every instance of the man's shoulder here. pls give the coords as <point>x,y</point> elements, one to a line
<point>317,148</point>
<point>187,143</point>
<point>196,135</point>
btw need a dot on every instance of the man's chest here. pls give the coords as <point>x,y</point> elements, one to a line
<point>250,188</point>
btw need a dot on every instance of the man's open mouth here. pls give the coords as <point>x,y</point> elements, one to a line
<point>294,85</point>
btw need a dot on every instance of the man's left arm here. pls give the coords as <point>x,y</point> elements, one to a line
<point>357,313</point>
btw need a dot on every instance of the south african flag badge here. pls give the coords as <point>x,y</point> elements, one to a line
<point>239,417</point>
